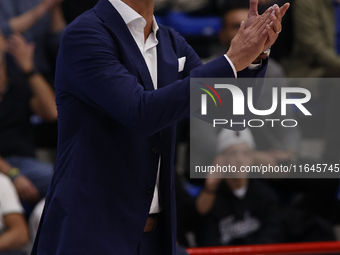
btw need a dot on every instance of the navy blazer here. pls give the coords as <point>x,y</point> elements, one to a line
<point>113,126</point>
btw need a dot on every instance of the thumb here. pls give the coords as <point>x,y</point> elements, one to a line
<point>253,5</point>
<point>242,26</point>
<point>284,9</point>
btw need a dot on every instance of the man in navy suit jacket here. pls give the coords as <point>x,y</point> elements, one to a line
<point>117,128</point>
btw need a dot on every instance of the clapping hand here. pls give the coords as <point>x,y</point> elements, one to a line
<point>256,35</point>
<point>277,14</point>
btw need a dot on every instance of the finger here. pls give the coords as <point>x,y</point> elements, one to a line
<point>270,9</point>
<point>272,37</point>
<point>242,26</point>
<point>260,21</point>
<point>276,24</point>
<point>284,9</point>
<point>264,35</point>
<point>253,10</point>
<point>277,12</point>
<point>261,24</point>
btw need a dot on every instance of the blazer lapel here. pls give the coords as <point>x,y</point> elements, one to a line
<point>106,12</point>
<point>167,59</point>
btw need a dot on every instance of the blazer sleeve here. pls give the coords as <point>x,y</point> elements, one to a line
<point>88,68</point>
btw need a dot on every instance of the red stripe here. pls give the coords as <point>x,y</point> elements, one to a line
<point>289,248</point>
<point>213,90</point>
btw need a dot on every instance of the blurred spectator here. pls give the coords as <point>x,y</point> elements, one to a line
<point>41,22</point>
<point>20,98</point>
<point>196,7</point>
<point>237,210</point>
<point>13,227</point>
<point>315,56</point>
<point>187,215</point>
<point>314,53</point>
<point>163,6</point>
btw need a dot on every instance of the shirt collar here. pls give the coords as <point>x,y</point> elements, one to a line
<point>129,15</point>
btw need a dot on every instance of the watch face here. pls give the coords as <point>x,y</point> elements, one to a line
<point>267,52</point>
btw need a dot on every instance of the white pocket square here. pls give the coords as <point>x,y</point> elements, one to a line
<point>181,63</point>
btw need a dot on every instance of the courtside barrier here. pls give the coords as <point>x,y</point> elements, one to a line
<point>289,248</point>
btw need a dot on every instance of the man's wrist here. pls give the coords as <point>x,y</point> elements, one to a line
<point>262,56</point>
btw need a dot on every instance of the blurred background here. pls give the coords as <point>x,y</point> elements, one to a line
<point>211,212</point>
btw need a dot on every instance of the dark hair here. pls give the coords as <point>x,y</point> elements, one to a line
<point>225,6</point>
<point>229,6</point>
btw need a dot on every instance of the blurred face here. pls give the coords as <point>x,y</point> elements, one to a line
<point>237,155</point>
<point>231,24</point>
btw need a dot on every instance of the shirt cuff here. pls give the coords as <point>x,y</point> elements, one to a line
<point>231,64</point>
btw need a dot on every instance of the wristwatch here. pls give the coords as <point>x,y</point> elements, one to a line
<point>267,52</point>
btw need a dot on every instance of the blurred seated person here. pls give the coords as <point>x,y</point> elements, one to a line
<point>196,7</point>
<point>162,7</point>
<point>13,227</point>
<point>316,54</point>
<point>39,21</point>
<point>236,210</point>
<point>19,99</point>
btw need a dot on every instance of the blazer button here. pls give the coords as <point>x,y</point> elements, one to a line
<point>156,150</point>
<point>150,189</point>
